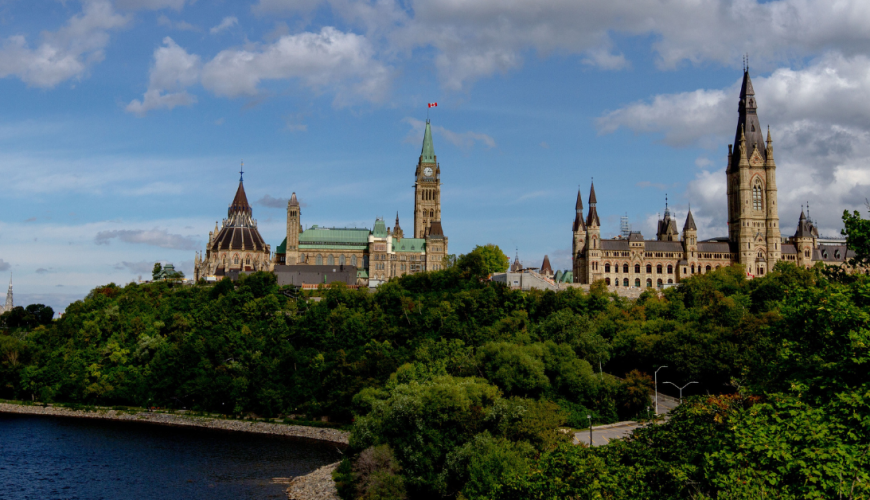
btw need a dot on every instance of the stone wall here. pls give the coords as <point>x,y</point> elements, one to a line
<point>181,420</point>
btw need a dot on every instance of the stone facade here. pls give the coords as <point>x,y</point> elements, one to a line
<point>753,240</point>
<point>9,305</point>
<point>379,253</point>
<point>236,246</point>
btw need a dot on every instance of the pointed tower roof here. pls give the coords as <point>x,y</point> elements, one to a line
<point>516,266</point>
<point>397,219</point>
<point>690,222</point>
<point>545,266</point>
<point>579,225</point>
<point>427,155</point>
<point>805,227</point>
<point>293,201</point>
<point>747,123</point>
<point>592,218</point>
<point>240,201</point>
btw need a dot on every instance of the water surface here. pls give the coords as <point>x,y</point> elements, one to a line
<point>69,458</point>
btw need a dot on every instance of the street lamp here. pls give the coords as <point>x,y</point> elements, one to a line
<point>590,429</point>
<point>657,387</point>
<point>681,388</point>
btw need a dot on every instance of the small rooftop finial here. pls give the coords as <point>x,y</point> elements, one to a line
<point>242,172</point>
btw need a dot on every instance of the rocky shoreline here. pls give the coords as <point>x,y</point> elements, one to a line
<point>181,420</point>
<point>317,485</point>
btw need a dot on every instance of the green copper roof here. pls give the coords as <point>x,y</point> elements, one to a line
<point>409,245</point>
<point>362,273</point>
<point>428,153</point>
<point>329,235</point>
<point>380,230</point>
<point>282,248</point>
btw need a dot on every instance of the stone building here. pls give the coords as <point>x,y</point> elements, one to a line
<point>237,245</point>
<point>753,240</point>
<point>8,306</point>
<point>379,253</point>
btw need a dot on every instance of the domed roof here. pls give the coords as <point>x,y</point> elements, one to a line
<point>239,231</point>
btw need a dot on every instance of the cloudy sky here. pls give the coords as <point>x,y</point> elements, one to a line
<point>124,123</point>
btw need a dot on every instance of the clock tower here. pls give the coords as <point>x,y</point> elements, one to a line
<point>427,188</point>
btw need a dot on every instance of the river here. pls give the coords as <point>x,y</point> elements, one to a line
<point>68,458</point>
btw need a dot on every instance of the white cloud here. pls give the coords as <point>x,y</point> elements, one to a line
<point>141,267</point>
<point>162,20</point>
<point>330,59</point>
<point>464,140</point>
<point>227,23</point>
<point>154,237</point>
<point>66,53</point>
<point>174,70</point>
<point>477,39</point>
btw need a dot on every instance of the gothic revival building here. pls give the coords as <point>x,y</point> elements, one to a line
<point>237,245</point>
<point>753,240</point>
<point>9,305</point>
<point>379,253</point>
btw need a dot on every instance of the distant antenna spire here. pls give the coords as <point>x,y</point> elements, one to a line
<point>242,172</point>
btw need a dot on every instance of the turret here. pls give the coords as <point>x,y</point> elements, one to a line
<point>594,270</point>
<point>690,243</point>
<point>579,230</point>
<point>294,228</point>
<point>667,227</point>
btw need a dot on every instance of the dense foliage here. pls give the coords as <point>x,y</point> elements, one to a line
<point>458,387</point>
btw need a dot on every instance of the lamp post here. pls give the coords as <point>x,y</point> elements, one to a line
<point>590,429</point>
<point>681,388</point>
<point>657,387</point>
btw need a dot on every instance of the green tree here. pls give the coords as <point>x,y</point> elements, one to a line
<point>155,272</point>
<point>857,233</point>
<point>494,260</point>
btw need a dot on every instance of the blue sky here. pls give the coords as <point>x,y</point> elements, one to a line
<point>124,122</point>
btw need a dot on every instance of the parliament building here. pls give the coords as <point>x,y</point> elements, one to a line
<point>754,239</point>
<point>375,255</point>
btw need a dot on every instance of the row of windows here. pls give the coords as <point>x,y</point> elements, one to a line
<point>330,260</point>
<point>659,282</point>
<point>659,268</point>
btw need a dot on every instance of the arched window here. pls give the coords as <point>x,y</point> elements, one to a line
<point>707,269</point>
<point>607,281</point>
<point>757,195</point>
<point>659,283</point>
<point>625,269</point>
<point>607,267</point>
<point>649,282</point>
<point>319,260</point>
<point>330,261</point>
<point>670,269</point>
<point>625,282</point>
<point>594,242</point>
<point>670,281</point>
<point>616,282</point>
<point>353,260</point>
<point>649,268</point>
<point>637,268</point>
<point>693,268</point>
<point>341,260</point>
<point>248,260</point>
<point>659,269</point>
<point>236,259</point>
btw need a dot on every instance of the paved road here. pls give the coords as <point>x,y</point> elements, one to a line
<point>603,434</point>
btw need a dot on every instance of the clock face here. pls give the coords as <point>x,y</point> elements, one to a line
<point>427,171</point>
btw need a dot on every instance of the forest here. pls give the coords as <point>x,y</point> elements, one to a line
<point>454,386</point>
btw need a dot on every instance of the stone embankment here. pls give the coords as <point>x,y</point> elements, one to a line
<point>317,485</point>
<point>181,420</point>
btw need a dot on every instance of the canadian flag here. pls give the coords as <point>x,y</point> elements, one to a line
<point>433,104</point>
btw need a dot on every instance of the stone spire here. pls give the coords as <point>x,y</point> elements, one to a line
<point>546,269</point>
<point>592,218</point>
<point>9,304</point>
<point>748,124</point>
<point>293,201</point>
<point>397,229</point>
<point>579,225</point>
<point>239,212</point>
<point>690,222</point>
<point>427,155</point>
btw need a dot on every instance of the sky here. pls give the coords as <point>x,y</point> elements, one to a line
<point>124,123</point>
